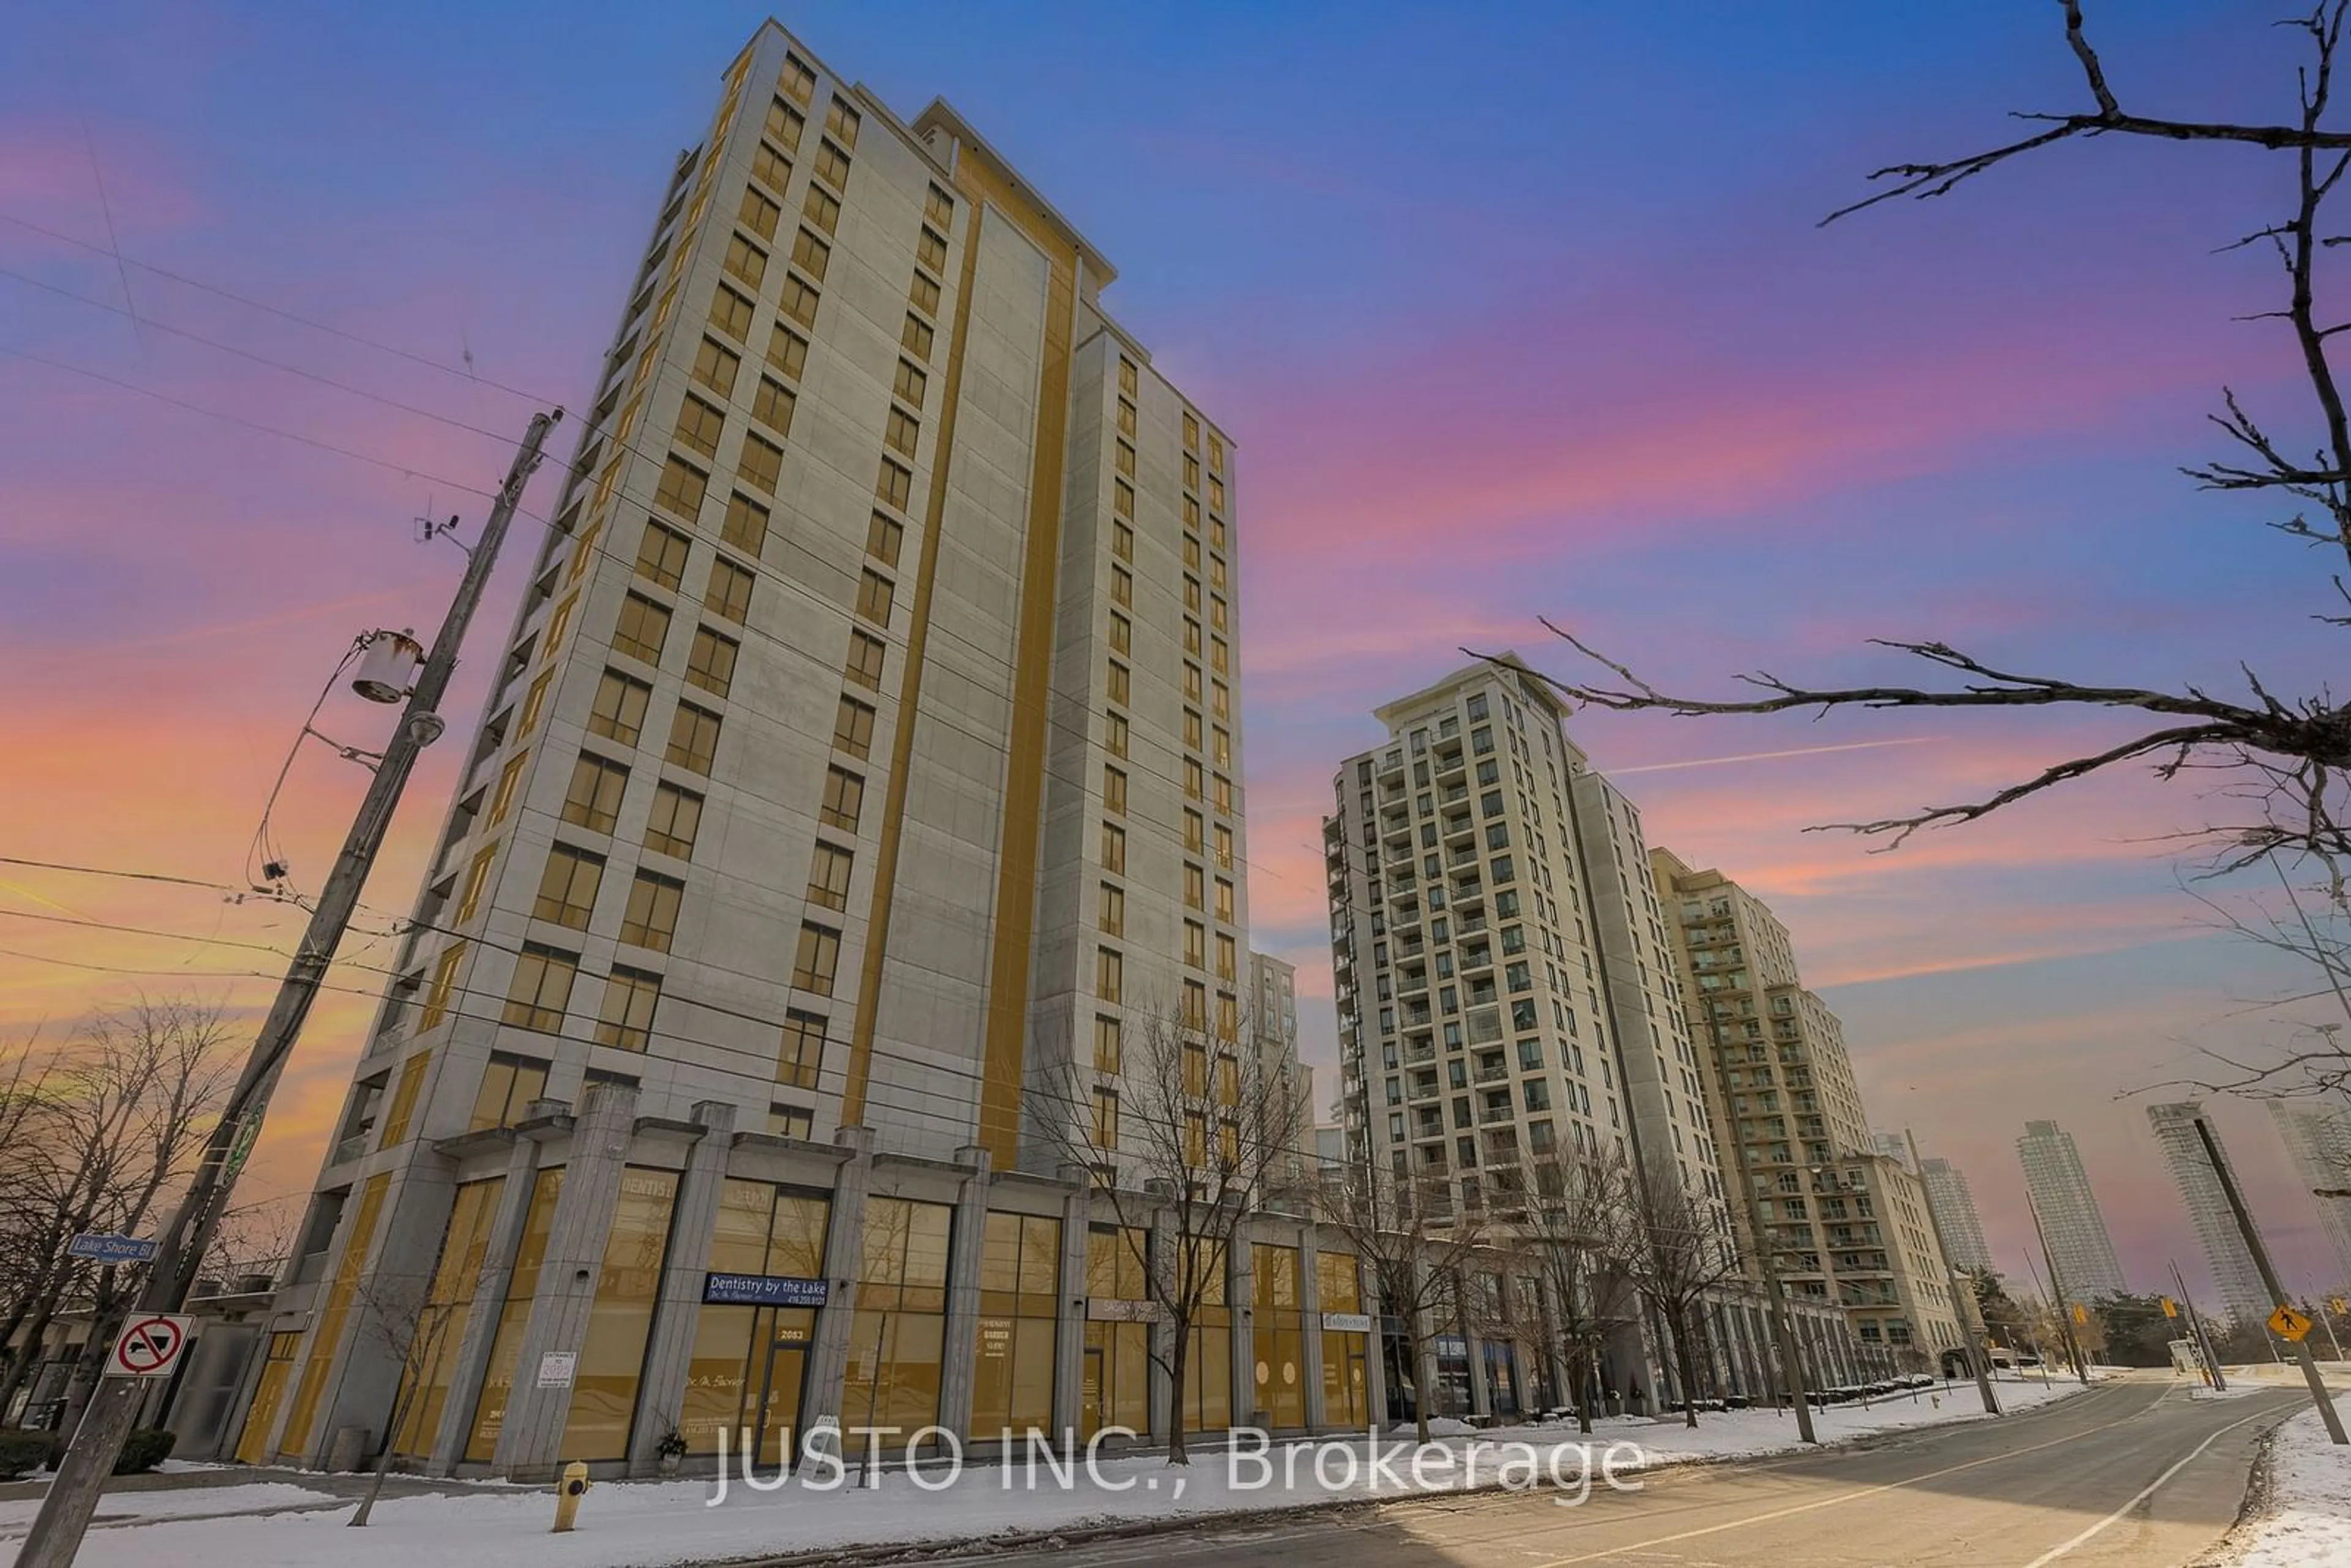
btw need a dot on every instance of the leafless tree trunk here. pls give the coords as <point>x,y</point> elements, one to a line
<point>1185,1139</point>
<point>1581,1227</point>
<point>1684,1251</point>
<point>2280,760</point>
<point>402,1316</point>
<point>1417,1242</point>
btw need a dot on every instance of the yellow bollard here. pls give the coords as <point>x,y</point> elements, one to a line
<point>568,1493</point>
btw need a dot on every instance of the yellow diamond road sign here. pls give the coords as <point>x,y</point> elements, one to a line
<point>2288,1324</point>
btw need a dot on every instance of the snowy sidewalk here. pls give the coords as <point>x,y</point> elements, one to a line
<point>655,1524</point>
<point>2306,1521</point>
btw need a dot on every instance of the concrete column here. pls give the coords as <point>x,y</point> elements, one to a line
<point>1159,1246</point>
<point>1562,1386</point>
<point>472,1361</point>
<point>1240,1292</point>
<point>363,1383</point>
<point>1375,1348</point>
<point>959,1355</point>
<point>531,1442</point>
<point>1481,1392</point>
<point>1309,1315</point>
<point>669,1346</point>
<point>1069,1333</point>
<point>844,1242</point>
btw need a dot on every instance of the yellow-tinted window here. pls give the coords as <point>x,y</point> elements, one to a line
<point>844,798</point>
<point>676,816</point>
<point>620,710</point>
<point>541,988</point>
<point>627,1018</point>
<point>818,958</point>
<point>729,593</point>
<point>692,738</point>
<point>651,916</point>
<point>593,802</point>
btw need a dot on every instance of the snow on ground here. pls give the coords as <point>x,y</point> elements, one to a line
<point>260,1496</point>
<point>651,1525</point>
<point>2306,1522</point>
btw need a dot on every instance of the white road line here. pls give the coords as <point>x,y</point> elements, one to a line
<point>1860,1492</point>
<point>2146,1492</point>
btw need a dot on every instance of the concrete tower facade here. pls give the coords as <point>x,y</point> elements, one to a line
<point>2317,1138</point>
<point>1955,1207</point>
<point>863,759</point>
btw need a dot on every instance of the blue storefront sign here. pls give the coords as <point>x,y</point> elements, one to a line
<point>763,1290</point>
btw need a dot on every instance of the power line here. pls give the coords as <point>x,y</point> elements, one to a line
<point>403,469</point>
<point>277,311</point>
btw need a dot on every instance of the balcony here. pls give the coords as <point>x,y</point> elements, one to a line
<point>1488,1115</point>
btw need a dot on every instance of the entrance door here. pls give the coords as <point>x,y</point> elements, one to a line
<point>786,1333</point>
<point>1091,1404</point>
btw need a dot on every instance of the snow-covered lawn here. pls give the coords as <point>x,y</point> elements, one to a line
<point>2307,1520</point>
<point>259,1497</point>
<point>652,1524</point>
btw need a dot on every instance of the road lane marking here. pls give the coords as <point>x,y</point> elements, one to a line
<point>1854,1495</point>
<point>2147,1491</point>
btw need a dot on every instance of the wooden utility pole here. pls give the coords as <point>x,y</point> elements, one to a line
<point>2326,1412</point>
<point>97,1442</point>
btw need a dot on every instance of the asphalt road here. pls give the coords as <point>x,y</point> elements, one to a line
<point>2132,1473</point>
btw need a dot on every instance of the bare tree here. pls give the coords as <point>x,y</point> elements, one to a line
<point>1184,1137</point>
<point>1683,1253</point>
<point>1418,1243</point>
<point>2281,759</point>
<point>1580,1230</point>
<point>118,1116</point>
<point>415,1323</point>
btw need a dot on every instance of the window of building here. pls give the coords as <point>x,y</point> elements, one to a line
<point>884,537</point>
<point>865,657</point>
<point>914,337</point>
<point>819,956</point>
<point>729,591</point>
<point>1110,974</point>
<point>444,986</point>
<point>903,431</point>
<point>711,665</point>
<point>762,462</point>
<point>910,383</point>
<point>938,206</point>
<point>1122,500</point>
<point>799,300</point>
<point>801,1057</point>
<point>799,80</point>
<point>821,208</point>
<point>651,919</point>
<point>772,405</point>
<point>1195,949</point>
<point>1195,780</point>
<point>533,701</point>
<point>1110,912</point>
<point>924,292</point>
<point>692,738</point>
<point>757,214</point>
<point>593,802</point>
<point>627,1020</point>
<point>1119,683</point>
<point>811,254</point>
<point>510,782</point>
<point>894,484</point>
<point>1115,789</point>
<point>770,167</point>
<point>643,628</point>
<point>541,988</point>
<point>676,817</point>
<point>715,365</point>
<point>1121,586</point>
<point>787,352</point>
<point>829,876</point>
<point>1114,848</point>
<point>1106,1043</point>
<point>833,165</point>
<point>661,554</point>
<point>567,886</point>
<point>745,261</point>
<point>1195,828</point>
<point>875,594</point>
<point>844,798</point>
<point>1106,1118</point>
<point>477,877</point>
<point>731,313</point>
<point>509,1084</point>
<point>852,728</point>
<point>682,487</point>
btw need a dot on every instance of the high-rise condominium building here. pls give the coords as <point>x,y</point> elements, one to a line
<point>2071,1222</point>
<point>2317,1138</point>
<point>1955,1207</point>
<point>1845,1215</point>
<point>862,764</point>
<point>2231,1262</point>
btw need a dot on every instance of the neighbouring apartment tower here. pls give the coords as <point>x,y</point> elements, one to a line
<point>1845,1216</point>
<point>1955,1205</point>
<point>863,759</point>
<point>2072,1225</point>
<point>2234,1276</point>
<point>2317,1137</point>
<point>1505,981</point>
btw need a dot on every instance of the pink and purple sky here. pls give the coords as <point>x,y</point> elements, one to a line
<point>1513,313</point>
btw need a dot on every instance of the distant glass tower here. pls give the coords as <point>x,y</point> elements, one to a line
<point>2070,1218</point>
<point>2317,1137</point>
<point>2233,1274</point>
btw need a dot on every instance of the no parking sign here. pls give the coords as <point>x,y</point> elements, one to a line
<point>150,1346</point>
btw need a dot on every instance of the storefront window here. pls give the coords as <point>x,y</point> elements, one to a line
<point>1209,1362</point>
<point>604,1390</point>
<point>897,1336</point>
<point>513,1315</point>
<point>1019,1291</point>
<point>1338,1286</point>
<point>441,1325</point>
<point>1116,1385</point>
<point>1280,1337</point>
<point>748,1367</point>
